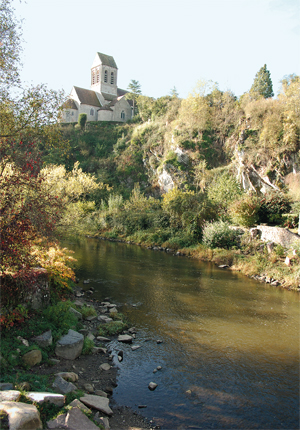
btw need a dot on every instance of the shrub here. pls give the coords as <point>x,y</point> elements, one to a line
<point>272,208</point>
<point>88,345</point>
<point>82,120</point>
<point>220,235</point>
<point>244,210</point>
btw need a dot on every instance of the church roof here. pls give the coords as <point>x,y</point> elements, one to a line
<point>87,97</point>
<point>69,104</point>
<point>105,107</point>
<point>107,60</point>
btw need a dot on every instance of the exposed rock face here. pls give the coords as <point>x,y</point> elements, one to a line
<point>278,235</point>
<point>165,181</point>
<point>70,345</point>
<point>22,416</point>
<point>32,358</point>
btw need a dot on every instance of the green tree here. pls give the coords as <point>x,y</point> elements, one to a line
<point>262,85</point>
<point>82,120</point>
<point>135,91</point>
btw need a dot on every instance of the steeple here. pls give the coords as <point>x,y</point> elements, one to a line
<point>104,73</point>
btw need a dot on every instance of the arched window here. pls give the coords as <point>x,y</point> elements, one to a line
<point>98,76</point>
<point>122,115</point>
<point>112,78</point>
<point>92,112</point>
<point>93,77</point>
<point>105,76</point>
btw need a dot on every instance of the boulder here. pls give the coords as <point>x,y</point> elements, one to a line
<point>125,338</point>
<point>134,347</point>
<point>70,345</point>
<point>100,393</point>
<point>55,399</point>
<point>152,386</point>
<point>32,358</point>
<point>21,416</point>
<point>97,402</point>
<point>77,314</point>
<point>44,339</point>
<point>89,388</point>
<point>75,419</point>
<point>105,366</point>
<point>77,404</point>
<point>6,386</point>
<point>68,376</point>
<point>63,386</point>
<point>9,395</point>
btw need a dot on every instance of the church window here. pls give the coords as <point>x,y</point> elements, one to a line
<point>105,76</point>
<point>112,78</point>
<point>98,77</point>
<point>122,115</point>
<point>92,112</point>
<point>93,77</point>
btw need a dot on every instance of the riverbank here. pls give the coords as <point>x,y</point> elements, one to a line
<point>270,264</point>
<point>92,374</point>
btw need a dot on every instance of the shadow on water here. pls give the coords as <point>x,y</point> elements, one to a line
<point>230,345</point>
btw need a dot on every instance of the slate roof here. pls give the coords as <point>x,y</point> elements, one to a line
<point>107,60</point>
<point>70,104</point>
<point>87,97</point>
<point>121,92</point>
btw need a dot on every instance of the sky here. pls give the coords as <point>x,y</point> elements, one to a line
<point>160,43</point>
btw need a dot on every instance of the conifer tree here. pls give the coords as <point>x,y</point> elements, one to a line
<point>262,85</point>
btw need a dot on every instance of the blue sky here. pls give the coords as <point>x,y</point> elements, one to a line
<point>160,43</point>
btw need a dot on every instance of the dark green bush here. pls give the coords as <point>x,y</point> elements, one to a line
<point>272,208</point>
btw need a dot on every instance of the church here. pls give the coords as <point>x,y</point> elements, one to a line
<point>104,101</point>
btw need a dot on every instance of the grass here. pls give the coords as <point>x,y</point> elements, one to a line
<point>112,328</point>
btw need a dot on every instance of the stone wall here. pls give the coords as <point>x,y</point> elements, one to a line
<point>279,235</point>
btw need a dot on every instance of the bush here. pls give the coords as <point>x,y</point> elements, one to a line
<point>220,235</point>
<point>82,120</point>
<point>244,210</point>
<point>272,208</point>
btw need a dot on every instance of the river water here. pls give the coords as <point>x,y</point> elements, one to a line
<point>230,345</point>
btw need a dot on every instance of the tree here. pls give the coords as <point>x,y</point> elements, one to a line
<point>262,85</point>
<point>27,122</point>
<point>174,92</point>
<point>82,120</point>
<point>135,91</point>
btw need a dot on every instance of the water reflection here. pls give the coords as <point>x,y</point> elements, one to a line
<point>230,348</point>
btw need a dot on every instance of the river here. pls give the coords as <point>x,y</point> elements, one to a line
<point>229,347</point>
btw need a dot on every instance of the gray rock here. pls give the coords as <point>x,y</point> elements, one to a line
<point>24,341</point>
<point>125,338</point>
<point>44,339</point>
<point>68,376</point>
<point>53,361</point>
<point>104,318</point>
<point>91,318</point>
<point>55,399</point>
<point>134,347</point>
<point>70,345</point>
<point>159,368</point>
<point>89,388</point>
<point>113,311</point>
<point>103,339</point>
<point>152,386</point>
<point>105,366</point>
<point>97,402</point>
<point>97,350</point>
<point>102,420</point>
<point>91,336</point>
<point>32,358</point>
<point>79,303</point>
<point>6,386</point>
<point>77,404</point>
<point>75,419</point>
<point>21,416</point>
<point>77,314</point>
<point>132,330</point>
<point>100,393</point>
<point>9,396</point>
<point>63,386</point>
